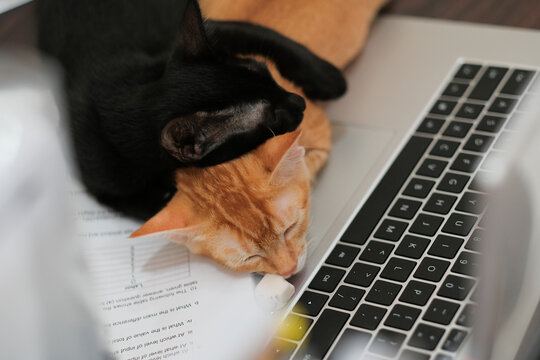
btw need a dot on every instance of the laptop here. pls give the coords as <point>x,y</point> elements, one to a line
<point>399,213</point>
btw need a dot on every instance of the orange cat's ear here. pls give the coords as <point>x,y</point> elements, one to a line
<point>282,156</point>
<point>175,216</point>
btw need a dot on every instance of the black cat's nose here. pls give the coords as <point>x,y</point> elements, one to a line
<point>297,102</point>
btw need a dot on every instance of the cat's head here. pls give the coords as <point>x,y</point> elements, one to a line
<point>219,105</point>
<point>250,214</point>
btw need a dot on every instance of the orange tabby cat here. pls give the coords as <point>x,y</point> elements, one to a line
<point>251,214</point>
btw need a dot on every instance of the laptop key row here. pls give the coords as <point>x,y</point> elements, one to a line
<point>431,223</point>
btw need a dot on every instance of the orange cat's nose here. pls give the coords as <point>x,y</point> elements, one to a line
<point>289,272</point>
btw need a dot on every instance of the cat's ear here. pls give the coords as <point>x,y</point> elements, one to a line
<point>282,156</point>
<point>184,138</point>
<point>175,217</point>
<point>192,42</point>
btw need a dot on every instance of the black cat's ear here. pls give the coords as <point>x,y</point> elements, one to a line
<point>182,138</point>
<point>192,42</point>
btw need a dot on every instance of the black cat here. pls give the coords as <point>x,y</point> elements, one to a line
<point>151,87</point>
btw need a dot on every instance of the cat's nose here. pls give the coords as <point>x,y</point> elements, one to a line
<point>288,272</point>
<point>296,102</point>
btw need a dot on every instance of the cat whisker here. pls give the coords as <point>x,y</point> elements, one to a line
<point>272,131</point>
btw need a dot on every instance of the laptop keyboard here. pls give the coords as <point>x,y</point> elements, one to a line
<point>400,282</point>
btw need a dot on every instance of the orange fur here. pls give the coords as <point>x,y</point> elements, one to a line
<point>251,214</point>
<point>238,213</point>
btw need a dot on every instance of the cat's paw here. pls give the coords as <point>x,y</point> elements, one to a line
<point>322,81</point>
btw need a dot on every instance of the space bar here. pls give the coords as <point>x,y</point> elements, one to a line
<point>373,209</point>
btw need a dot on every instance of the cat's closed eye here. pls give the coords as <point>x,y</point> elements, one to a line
<point>252,258</point>
<point>291,229</point>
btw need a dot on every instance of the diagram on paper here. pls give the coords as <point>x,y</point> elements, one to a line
<point>136,264</point>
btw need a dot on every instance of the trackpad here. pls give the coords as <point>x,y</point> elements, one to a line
<point>354,153</point>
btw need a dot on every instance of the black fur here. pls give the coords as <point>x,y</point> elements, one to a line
<point>150,88</point>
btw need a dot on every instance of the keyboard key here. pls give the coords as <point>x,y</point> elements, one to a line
<point>387,343</point>
<point>457,129</point>
<point>490,124</point>
<point>440,203</point>
<point>494,161</point>
<point>391,230</point>
<point>473,203</point>
<point>426,337</point>
<point>476,240</point>
<point>418,188</point>
<point>281,349</point>
<point>417,293</point>
<point>432,168</point>
<point>445,246</point>
<point>405,208</point>
<point>459,224</point>
<point>478,143</point>
<point>467,264</point>
<point>426,224</point>
<point>503,105</point>
<point>347,297</point>
<point>504,141</point>
<point>444,148</point>
<point>443,107</point>
<point>398,269</point>
<point>430,126</point>
<point>326,279</point>
<point>528,100</point>
<point>466,162</point>
<point>515,122</point>
<point>467,71</point>
<point>412,355</point>
<point>466,318</point>
<point>441,312</point>
<point>431,269</point>
<point>368,317</point>
<point>443,357</point>
<point>454,340</point>
<point>482,222</point>
<point>376,252</point>
<point>402,317</point>
<point>475,294</point>
<point>342,255</point>
<point>350,345</point>
<point>310,303</point>
<point>383,292</point>
<point>322,335</point>
<point>380,199</point>
<point>456,287</point>
<point>362,274</point>
<point>479,181</point>
<point>412,246</point>
<point>455,89</point>
<point>294,327</point>
<point>453,182</point>
<point>518,81</point>
<point>488,83</point>
<point>469,111</point>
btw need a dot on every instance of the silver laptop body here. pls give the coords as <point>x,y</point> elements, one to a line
<point>393,86</point>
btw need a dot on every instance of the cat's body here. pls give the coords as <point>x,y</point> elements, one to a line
<point>251,214</point>
<point>150,89</point>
